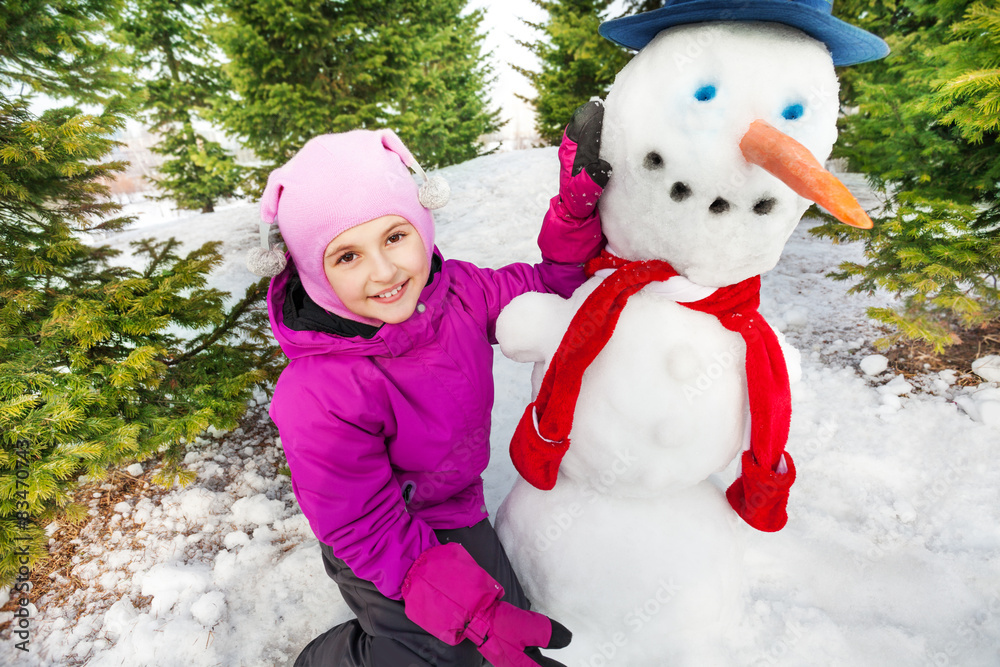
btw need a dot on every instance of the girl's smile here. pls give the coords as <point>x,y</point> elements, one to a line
<point>388,297</point>
<point>378,268</point>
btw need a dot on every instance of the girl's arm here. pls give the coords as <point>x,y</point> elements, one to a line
<point>343,480</point>
<point>571,229</point>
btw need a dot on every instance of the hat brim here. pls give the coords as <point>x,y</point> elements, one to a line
<point>848,44</point>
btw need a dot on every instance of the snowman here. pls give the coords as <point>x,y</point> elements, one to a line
<point>659,372</point>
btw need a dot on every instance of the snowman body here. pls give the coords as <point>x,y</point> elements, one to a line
<point>636,549</point>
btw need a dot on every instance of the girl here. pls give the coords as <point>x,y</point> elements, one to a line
<point>384,407</point>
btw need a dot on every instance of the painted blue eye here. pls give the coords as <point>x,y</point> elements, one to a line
<point>705,93</point>
<point>793,112</point>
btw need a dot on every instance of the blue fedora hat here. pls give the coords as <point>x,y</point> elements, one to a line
<point>848,44</point>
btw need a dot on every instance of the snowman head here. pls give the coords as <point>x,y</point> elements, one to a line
<point>682,188</point>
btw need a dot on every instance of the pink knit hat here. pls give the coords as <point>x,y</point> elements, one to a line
<point>336,182</point>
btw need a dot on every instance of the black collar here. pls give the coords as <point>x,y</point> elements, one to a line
<point>301,313</point>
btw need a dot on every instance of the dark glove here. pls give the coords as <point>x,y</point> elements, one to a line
<point>583,174</point>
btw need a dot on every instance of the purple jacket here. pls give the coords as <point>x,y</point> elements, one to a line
<point>386,438</point>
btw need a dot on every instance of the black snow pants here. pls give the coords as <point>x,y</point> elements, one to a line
<point>382,635</point>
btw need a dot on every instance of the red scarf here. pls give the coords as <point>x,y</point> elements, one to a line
<point>760,494</point>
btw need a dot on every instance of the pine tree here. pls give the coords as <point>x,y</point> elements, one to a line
<point>99,364</point>
<point>300,69</point>
<point>56,46</point>
<point>182,77</point>
<point>443,107</point>
<point>925,133</point>
<point>576,62</point>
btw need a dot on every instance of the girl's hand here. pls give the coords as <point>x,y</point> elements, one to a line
<point>447,594</point>
<point>582,174</point>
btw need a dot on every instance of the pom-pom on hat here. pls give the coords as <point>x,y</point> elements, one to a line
<point>336,182</point>
<point>848,44</point>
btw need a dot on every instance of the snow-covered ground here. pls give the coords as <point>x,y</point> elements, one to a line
<point>891,555</point>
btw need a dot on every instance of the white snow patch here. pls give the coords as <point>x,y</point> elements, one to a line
<point>987,367</point>
<point>208,609</point>
<point>897,386</point>
<point>256,510</point>
<point>874,364</point>
<point>169,584</point>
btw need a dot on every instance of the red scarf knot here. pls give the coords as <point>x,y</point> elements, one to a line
<point>760,494</point>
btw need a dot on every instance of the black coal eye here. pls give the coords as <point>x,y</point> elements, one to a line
<point>764,206</point>
<point>653,161</point>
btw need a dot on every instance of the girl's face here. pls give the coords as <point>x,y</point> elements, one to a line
<point>378,268</point>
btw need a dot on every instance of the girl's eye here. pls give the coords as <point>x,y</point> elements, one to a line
<point>395,238</point>
<point>793,112</point>
<point>346,258</point>
<point>705,93</point>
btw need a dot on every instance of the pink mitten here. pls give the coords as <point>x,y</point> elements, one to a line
<point>447,594</point>
<point>582,174</point>
<point>571,230</point>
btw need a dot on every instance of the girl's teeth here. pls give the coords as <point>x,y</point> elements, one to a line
<point>389,294</point>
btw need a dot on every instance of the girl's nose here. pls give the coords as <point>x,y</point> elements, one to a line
<point>383,268</point>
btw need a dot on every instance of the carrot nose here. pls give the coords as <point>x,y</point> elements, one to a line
<point>791,162</point>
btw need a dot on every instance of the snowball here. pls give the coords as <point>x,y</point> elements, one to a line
<point>891,402</point>
<point>940,386</point>
<point>196,504</point>
<point>874,364</point>
<point>208,609</point>
<point>169,583</point>
<point>236,539</point>
<point>108,580</point>
<point>297,524</point>
<point>135,469</point>
<point>987,368</point>
<point>982,405</point>
<point>256,510</point>
<point>897,386</point>
<point>950,376</point>
<point>986,394</point>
